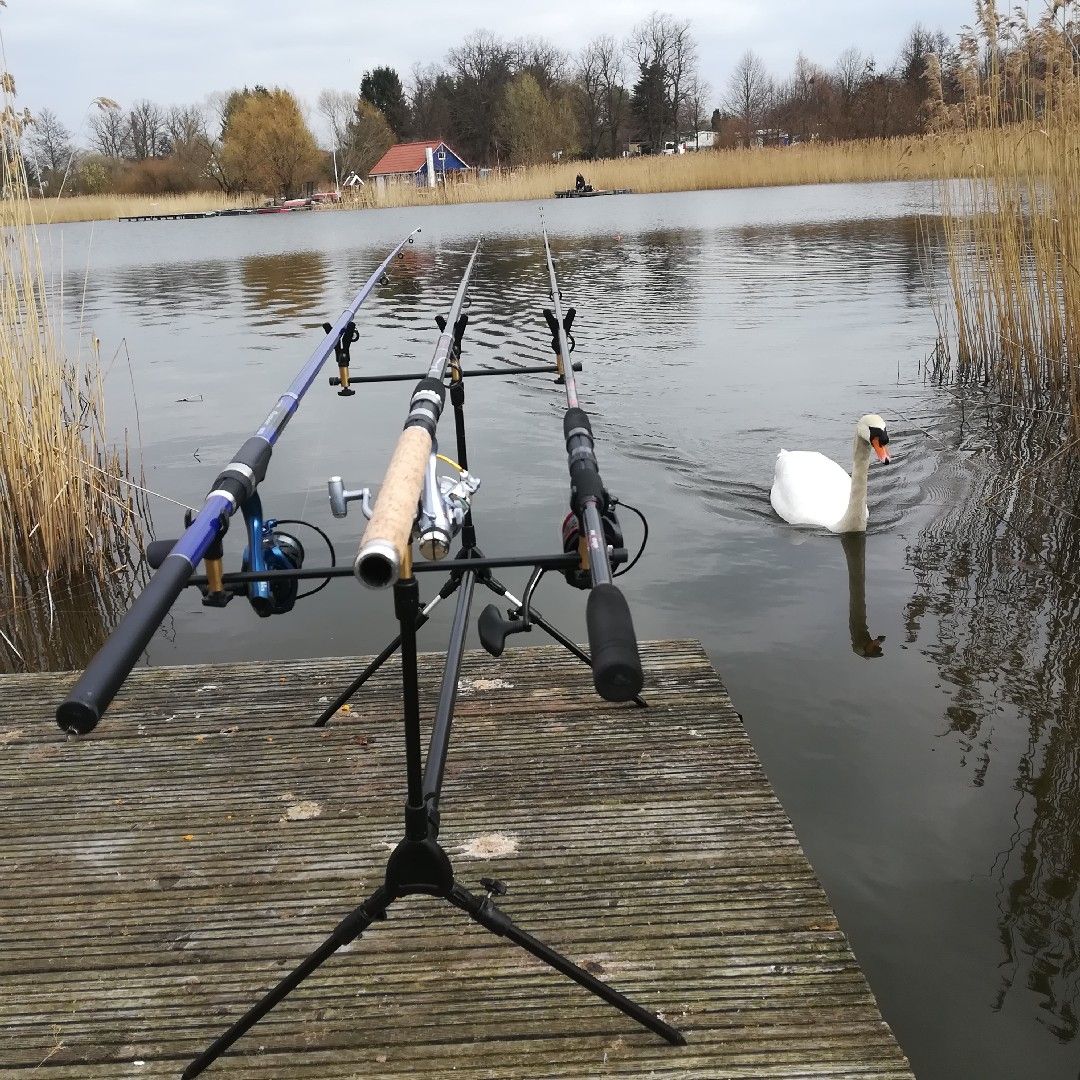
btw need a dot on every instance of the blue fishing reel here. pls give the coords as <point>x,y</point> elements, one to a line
<point>273,549</point>
<point>269,547</point>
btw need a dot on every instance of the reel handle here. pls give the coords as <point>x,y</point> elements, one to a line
<point>617,673</point>
<point>387,539</point>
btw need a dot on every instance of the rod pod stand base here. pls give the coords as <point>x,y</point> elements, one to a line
<point>419,865</point>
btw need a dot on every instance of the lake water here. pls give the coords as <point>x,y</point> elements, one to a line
<point>936,787</point>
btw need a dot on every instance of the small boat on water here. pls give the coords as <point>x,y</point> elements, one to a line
<point>589,192</point>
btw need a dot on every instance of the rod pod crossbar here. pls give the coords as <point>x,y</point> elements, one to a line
<point>81,710</point>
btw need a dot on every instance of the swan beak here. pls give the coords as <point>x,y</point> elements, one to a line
<point>882,453</point>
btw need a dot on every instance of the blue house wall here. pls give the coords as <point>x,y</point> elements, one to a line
<point>452,163</point>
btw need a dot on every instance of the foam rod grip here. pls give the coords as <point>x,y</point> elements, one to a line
<point>389,532</point>
<point>616,664</point>
<point>104,675</point>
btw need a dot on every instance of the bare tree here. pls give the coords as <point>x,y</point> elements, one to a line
<point>110,134</point>
<point>546,63</point>
<point>748,92</point>
<point>337,108</point>
<point>591,99</point>
<point>695,109</point>
<point>148,133</point>
<point>665,54</point>
<point>482,66</point>
<point>848,75</point>
<point>190,141</point>
<point>51,151</point>
<point>431,97</point>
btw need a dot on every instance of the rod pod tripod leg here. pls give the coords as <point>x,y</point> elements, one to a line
<point>419,864</point>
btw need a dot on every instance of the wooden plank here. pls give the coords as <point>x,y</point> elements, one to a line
<point>160,874</point>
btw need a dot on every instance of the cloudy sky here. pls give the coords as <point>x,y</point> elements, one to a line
<point>64,53</point>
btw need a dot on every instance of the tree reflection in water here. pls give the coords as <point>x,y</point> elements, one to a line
<point>998,578</point>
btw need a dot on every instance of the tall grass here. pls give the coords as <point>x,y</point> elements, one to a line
<point>69,513</point>
<point>106,207</point>
<point>1012,228</point>
<point>704,170</point>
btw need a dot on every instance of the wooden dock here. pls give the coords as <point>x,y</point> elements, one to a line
<point>157,876</point>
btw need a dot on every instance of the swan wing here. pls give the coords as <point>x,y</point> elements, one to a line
<point>809,489</point>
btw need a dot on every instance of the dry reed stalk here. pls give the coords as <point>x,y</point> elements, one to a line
<point>1012,227</point>
<point>69,515</point>
<point>705,170</point>
<point>55,211</point>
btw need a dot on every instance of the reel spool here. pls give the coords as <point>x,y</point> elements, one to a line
<point>280,551</point>
<point>579,576</point>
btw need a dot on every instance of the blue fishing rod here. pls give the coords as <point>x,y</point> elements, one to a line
<point>234,489</point>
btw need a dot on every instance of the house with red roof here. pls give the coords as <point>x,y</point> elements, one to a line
<point>409,162</point>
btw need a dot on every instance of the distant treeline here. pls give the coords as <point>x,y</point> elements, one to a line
<point>497,103</point>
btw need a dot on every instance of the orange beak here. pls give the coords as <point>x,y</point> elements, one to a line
<point>882,453</point>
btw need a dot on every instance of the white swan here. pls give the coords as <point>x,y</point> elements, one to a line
<point>810,489</point>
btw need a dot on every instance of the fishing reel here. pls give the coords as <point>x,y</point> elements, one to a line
<point>578,576</point>
<point>269,547</point>
<point>444,504</point>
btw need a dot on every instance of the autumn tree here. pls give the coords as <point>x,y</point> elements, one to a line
<point>268,143</point>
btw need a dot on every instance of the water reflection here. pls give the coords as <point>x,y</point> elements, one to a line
<point>59,625</point>
<point>283,286</point>
<point>163,290</point>
<point>863,643</point>
<point>996,608</point>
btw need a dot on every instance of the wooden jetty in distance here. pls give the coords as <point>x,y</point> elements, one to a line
<point>231,212</point>
<point>589,193</point>
<point>160,874</point>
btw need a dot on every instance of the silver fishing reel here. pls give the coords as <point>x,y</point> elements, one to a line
<point>444,502</point>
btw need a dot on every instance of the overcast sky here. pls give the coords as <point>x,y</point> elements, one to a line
<point>64,53</point>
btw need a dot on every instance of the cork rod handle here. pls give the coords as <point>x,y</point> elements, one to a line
<point>388,534</point>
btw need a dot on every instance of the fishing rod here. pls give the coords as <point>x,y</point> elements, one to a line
<point>385,551</point>
<point>235,488</point>
<point>592,526</point>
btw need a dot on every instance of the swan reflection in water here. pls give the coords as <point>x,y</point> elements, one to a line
<point>863,643</point>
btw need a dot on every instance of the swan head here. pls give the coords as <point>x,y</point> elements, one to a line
<point>871,429</point>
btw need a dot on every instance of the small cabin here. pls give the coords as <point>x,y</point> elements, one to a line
<point>408,163</point>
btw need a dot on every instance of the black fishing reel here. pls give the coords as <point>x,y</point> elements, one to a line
<point>579,576</point>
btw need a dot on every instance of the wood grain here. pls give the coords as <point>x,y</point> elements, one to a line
<point>157,876</point>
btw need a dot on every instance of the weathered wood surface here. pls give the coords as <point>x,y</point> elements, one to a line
<point>157,876</point>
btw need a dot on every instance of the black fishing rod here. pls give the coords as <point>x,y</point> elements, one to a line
<point>235,488</point>
<point>617,672</point>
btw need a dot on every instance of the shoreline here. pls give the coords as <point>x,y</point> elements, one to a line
<point>916,158</point>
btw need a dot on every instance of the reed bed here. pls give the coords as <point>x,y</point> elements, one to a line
<point>110,207</point>
<point>1012,227</point>
<point>70,513</point>
<point>704,170</point>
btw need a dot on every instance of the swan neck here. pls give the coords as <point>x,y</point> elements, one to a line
<point>854,519</point>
